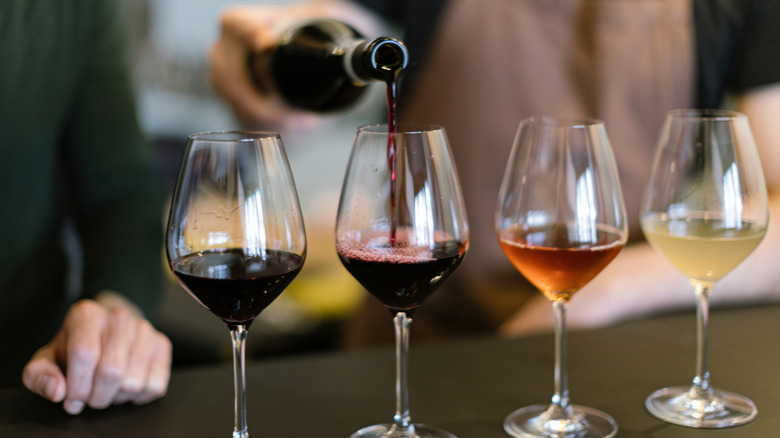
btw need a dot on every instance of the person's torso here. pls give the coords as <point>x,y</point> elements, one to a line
<point>42,45</point>
<point>626,63</point>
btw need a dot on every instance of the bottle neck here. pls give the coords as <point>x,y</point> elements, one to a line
<point>382,59</point>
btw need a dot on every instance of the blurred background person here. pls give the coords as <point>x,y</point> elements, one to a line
<point>80,272</point>
<point>478,68</point>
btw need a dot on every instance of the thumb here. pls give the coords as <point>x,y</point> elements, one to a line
<point>43,376</point>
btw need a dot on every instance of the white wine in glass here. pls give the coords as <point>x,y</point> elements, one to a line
<point>560,221</point>
<point>705,209</point>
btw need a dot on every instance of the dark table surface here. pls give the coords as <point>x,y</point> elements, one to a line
<point>465,386</point>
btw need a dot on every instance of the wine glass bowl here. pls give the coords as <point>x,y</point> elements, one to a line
<point>403,274</point>
<point>560,220</point>
<point>401,231</point>
<point>705,209</point>
<point>235,236</point>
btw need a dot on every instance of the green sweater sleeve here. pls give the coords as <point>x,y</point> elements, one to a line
<point>109,165</point>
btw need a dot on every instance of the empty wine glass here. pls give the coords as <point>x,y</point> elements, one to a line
<point>560,221</point>
<point>401,231</point>
<point>235,236</point>
<point>705,209</point>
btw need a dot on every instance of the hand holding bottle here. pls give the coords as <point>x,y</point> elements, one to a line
<point>255,29</point>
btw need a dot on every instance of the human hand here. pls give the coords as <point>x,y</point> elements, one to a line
<point>251,29</point>
<point>246,30</point>
<point>105,353</point>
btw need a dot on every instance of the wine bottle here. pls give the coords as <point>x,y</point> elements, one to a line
<point>325,65</point>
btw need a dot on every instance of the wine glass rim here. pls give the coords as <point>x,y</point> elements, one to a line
<point>561,122</point>
<point>232,136</point>
<point>705,113</point>
<point>402,129</point>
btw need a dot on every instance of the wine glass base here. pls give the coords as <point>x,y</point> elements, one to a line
<point>385,431</point>
<point>679,405</point>
<point>536,422</point>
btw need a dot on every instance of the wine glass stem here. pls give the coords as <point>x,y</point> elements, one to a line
<point>402,423</point>
<point>238,335</point>
<point>702,380</point>
<point>561,396</point>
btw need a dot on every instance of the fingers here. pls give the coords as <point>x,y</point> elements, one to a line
<point>149,370</point>
<point>83,332</point>
<point>159,371</point>
<point>43,376</point>
<point>137,372</point>
<point>119,337</point>
<point>110,355</point>
<point>254,28</point>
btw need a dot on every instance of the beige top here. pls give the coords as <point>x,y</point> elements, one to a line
<point>493,63</point>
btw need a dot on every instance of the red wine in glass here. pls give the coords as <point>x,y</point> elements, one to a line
<point>233,285</point>
<point>401,276</point>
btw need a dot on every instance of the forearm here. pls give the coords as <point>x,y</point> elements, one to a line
<point>114,187</point>
<point>757,279</point>
<point>641,282</point>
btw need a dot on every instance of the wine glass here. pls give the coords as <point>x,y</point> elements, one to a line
<point>705,209</point>
<point>235,236</point>
<point>560,220</point>
<point>401,231</point>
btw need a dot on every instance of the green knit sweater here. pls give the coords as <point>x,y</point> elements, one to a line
<point>71,152</point>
